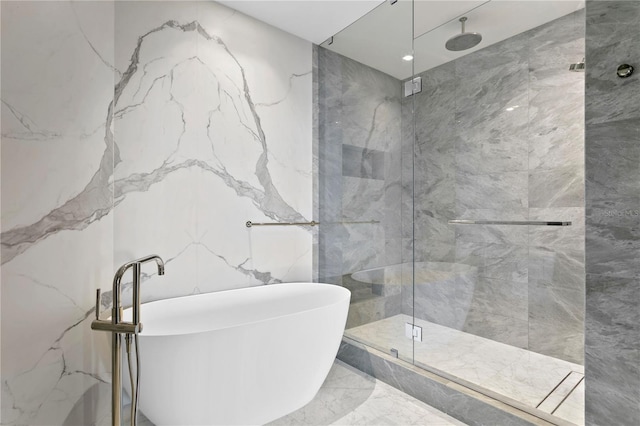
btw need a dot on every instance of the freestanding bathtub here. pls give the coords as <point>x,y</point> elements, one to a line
<point>238,357</point>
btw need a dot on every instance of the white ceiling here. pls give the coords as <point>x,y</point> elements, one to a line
<point>312,20</point>
<point>384,35</point>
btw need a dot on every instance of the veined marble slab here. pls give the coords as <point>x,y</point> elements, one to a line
<point>572,408</point>
<point>560,393</point>
<point>350,397</point>
<point>131,128</point>
<point>518,374</point>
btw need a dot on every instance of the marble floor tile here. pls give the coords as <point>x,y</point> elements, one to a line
<point>350,397</point>
<point>501,370</point>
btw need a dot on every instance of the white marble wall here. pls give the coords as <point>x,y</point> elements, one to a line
<point>131,128</point>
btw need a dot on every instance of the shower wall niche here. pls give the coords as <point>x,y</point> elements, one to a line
<point>500,136</point>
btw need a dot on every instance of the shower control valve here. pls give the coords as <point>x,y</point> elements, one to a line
<point>624,71</point>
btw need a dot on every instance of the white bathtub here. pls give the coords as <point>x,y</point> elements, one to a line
<point>238,357</point>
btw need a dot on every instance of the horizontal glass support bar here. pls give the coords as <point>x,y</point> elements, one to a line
<point>249,224</point>
<point>507,222</point>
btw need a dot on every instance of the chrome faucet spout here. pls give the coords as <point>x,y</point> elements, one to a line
<point>158,260</point>
<point>136,282</point>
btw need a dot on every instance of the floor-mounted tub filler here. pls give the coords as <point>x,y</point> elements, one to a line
<point>245,356</point>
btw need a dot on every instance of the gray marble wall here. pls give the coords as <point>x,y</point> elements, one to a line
<point>500,135</point>
<point>131,128</point>
<point>359,166</point>
<point>613,214</point>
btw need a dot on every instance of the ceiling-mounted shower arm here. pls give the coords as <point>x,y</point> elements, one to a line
<point>462,21</point>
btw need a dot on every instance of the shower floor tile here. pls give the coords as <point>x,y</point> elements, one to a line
<point>572,409</point>
<point>499,370</point>
<point>350,397</point>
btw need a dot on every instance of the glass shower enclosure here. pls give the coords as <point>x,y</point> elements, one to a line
<point>451,193</point>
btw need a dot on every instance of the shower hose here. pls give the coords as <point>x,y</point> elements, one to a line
<point>135,386</point>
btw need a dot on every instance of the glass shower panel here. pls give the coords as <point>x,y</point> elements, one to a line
<point>498,156</point>
<point>365,211</point>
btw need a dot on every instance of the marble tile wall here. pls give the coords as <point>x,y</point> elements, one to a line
<point>131,128</point>
<point>499,135</point>
<point>359,126</point>
<point>612,142</point>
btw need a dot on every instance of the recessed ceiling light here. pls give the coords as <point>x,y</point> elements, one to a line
<point>407,58</point>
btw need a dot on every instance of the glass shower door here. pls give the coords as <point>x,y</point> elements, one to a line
<point>365,204</point>
<point>499,204</point>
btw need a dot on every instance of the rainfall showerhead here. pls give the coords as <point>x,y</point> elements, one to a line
<point>464,40</point>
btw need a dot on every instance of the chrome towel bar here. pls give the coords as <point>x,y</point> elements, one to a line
<point>250,224</point>
<point>507,222</point>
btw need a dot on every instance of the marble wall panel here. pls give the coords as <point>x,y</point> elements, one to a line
<point>612,174</point>
<point>612,365</point>
<point>506,298</point>
<point>491,113</point>
<point>558,187</point>
<point>207,92</point>
<point>496,191</point>
<point>57,200</point>
<point>363,163</point>
<point>612,29</point>
<point>131,128</point>
<point>561,309</point>
<point>330,236</point>
<point>504,329</point>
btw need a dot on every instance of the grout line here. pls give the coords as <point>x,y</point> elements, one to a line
<point>554,389</point>
<point>570,392</point>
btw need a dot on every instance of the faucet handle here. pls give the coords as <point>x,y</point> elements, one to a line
<point>98,291</point>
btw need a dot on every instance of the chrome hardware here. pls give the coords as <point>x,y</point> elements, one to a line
<point>413,332</point>
<point>117,327</point>
<point>624,71</point>
<point>98,294</point>
<point>412,87</point>
<point>577,67</point>
<point>249,224</point>
<point>123,328</point>
<point>507,222</point>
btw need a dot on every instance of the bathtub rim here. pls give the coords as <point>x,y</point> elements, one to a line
<point>345,298</point>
